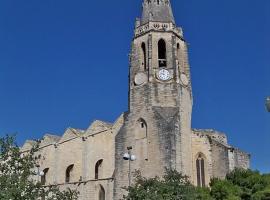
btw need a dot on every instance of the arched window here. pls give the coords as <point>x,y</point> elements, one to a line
<point>162,57</point>
<point>44,177</point>
<point>98,169</point>
<point>141,139</point>
<point>141,129</point>
<point>143,56</point>
<point>69,171</point>
<point>101,193</point>
<point>200,165</point>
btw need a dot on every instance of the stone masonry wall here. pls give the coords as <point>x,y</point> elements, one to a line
<point>220,158</point>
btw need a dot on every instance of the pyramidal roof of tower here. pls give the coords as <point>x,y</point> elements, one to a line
<point>157,11</point>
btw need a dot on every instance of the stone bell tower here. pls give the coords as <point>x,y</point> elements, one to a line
<point>158,123</point>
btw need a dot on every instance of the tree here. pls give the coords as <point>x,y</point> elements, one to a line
<point>242,184</point>
<point>16,175</point>
<point>224,190</point>
<point>172,186</point>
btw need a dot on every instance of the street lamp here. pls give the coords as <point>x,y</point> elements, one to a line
<point>39,173</point>
<point>268,104</point>
<point>129,157</point>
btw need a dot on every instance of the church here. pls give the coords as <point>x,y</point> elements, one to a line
<point>155,133</point>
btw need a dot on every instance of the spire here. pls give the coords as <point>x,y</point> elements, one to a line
<point>157,10</point>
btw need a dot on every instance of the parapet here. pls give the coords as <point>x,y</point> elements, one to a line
<point>212,134</point>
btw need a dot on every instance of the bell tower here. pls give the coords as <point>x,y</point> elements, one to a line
<point>158,123</point>
<point>158,56</point>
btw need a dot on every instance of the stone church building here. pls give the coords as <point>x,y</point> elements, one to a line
<point>156,128</point>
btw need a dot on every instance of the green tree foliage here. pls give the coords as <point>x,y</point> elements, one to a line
<point>224,190</point>
<point>240,184</point>
<point>17,172</point>
<point>172,186</point>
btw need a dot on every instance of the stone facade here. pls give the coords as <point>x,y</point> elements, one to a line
<point>157,125</point>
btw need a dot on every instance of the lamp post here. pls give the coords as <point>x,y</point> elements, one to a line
<point>129,157</point>
<point>268,104</point>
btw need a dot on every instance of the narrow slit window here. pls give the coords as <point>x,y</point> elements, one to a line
<point>178,51</point>
<point>143,56</point>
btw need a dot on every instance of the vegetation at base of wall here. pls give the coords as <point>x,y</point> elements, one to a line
<point>240,184</point>
<point>17,170</point>
<point>171,186</point>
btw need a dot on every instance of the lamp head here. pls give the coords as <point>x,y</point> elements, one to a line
<point>132,157</point>
<point>41,173</point>
<point>126,156</point>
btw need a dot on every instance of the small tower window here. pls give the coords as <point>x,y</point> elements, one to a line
<point>141,129</point>
<point>162,57</point>
<point>200,162</point>
<point>69,173</point>
<point>44,177</point>
<point>143,56</point>
<point>98,169</point>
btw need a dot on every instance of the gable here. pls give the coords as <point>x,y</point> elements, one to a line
<point>98,126</point>
<point>28,145</point>
<point>71,133</point>
<point>119,122</point>
<point>49,139</point>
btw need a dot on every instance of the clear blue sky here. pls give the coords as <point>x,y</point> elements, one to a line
<point>64,63</point>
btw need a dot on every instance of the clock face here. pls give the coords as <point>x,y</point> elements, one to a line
<point>164,75</point>
<point>140,78</point>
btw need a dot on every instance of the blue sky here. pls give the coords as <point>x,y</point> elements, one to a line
<point>65,63</point>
